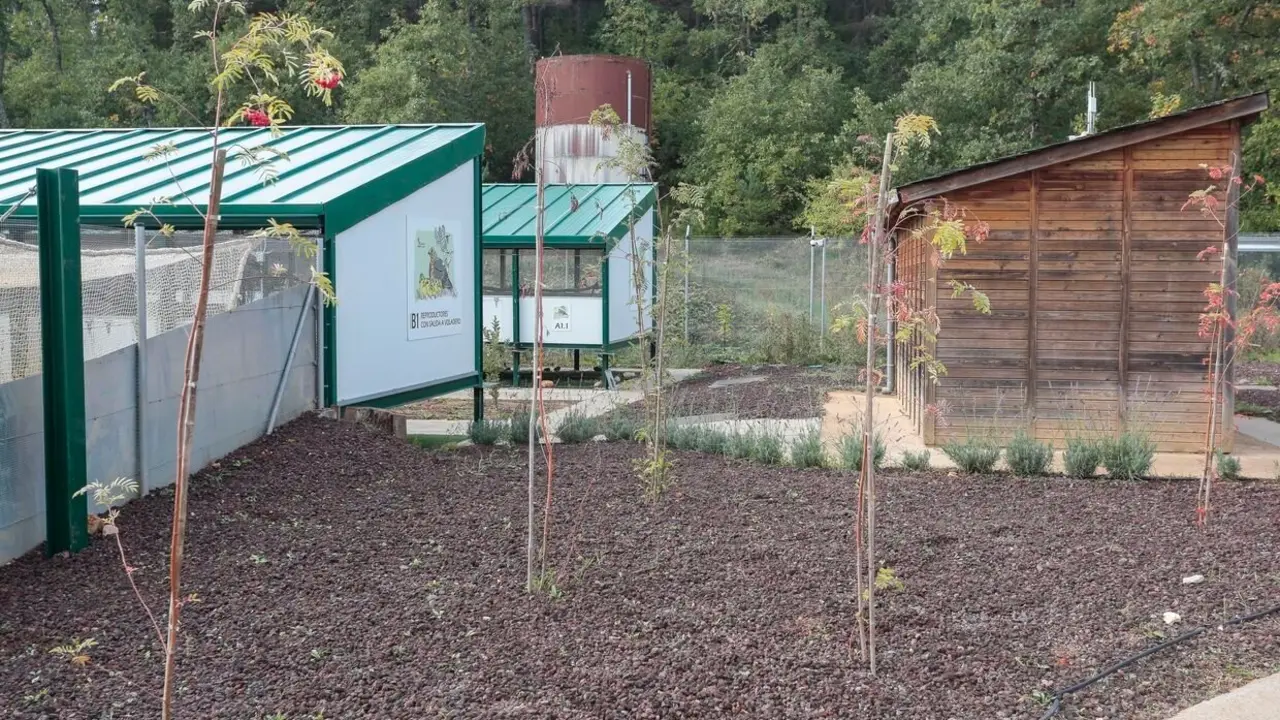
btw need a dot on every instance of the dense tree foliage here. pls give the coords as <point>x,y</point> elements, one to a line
<point>757,100</point>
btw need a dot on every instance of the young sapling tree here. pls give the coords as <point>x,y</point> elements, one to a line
<point>248,72</point>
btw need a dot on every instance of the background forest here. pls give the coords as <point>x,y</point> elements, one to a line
<point>758,101</point>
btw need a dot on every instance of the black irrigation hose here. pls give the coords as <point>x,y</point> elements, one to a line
<point>1056,706</point>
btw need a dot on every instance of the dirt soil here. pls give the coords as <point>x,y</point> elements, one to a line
<point>350,574</point>
<point>755,391</point>
<point>1258,373</point>
<point>461,409</point>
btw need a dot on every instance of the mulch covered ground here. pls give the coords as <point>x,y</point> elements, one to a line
<point>756,391</point>
<point>345,573</point>
<point>1258,373</point>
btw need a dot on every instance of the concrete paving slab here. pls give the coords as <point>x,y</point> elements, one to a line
<point>1259,700</point>
<point>730,382</point>
<point>1257,444</point>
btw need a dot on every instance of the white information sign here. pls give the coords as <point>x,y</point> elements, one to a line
<point>560,316</point>
<point>435,309</point>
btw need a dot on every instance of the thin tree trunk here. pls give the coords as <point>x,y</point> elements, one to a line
<point>868,417</point>
<point>186,429</point>
<point>536,374</point>
<point>6,11</point>
<point>57,35</point>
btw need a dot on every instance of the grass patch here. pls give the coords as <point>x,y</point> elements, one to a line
<point>851,451</point>
<point>976,456</point>
<point>577,428</point>
<point>487,432</point>
<point>1082,457</point>
<point>767,450</point>
<point>1228,466</point>
<point>619,426</point>
<point>741,445</point>
<point>1128,456</point>
<point>807,452</point>
<point>1027,457</point>
<point>916,461</point>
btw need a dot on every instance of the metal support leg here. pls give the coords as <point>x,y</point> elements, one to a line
<point>477,410</point>
<point>577,360</point>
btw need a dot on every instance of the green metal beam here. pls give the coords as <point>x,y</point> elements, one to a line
<point>62,347</point>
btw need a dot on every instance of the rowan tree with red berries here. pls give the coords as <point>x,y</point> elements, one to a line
<point>272,51</point>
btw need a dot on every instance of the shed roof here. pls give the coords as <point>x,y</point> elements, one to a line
<point>1244,108</point>
<point>575,214</point>
<point>340,173</point>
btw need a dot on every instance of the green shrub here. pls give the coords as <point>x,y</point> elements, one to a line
<point>768,450</point>
<point>741,444</point>
<point>715,442</point>
<point>1026,457</point>
<point>518,428</point>
<point>620,426</point>
<point>1228,466</point>
<point>684,437</point>
<point>576,428</point>
<point>1128,456</point>
<point>851,451</point>
<point>1082,457</point>
<point>808,451</point>
<point>486,432</point>
<point>915,462</point>
<point>976,456</point>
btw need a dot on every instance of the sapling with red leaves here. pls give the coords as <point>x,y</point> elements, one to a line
<point>247,73</point>
<point>1229,336</point>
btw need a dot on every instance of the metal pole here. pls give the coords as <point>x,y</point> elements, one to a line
<point>888,327</point>
<point>688,261</point>
<point>140,275</point>
<point>320,334</point>
<point>628,98</point>
<point>822,339</point>
<point>812,245</point>
<point>288,360</point>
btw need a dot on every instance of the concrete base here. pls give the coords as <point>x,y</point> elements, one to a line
<point>1257,445</point>
<point>1259,700</point>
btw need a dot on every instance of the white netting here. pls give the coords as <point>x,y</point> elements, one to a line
<point>244,270</point>
<point>19,304</point>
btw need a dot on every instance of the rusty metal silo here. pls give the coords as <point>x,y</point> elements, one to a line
<point>569,89</point>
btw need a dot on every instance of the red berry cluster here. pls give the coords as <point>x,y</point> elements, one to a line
<point>329,81</point>
<point>254,116</point>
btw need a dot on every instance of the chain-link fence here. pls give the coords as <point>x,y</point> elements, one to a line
<point>766,299</point>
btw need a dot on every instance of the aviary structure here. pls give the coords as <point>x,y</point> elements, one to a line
<point>1095,287</point>
<point>596,237</point>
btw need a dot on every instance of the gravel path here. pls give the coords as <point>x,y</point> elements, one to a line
<point>346,573</point>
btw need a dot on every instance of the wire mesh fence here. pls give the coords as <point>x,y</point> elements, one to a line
<point>245,269</point>
<point>766,299</point>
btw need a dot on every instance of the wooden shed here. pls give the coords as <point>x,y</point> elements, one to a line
<point>1095,286</point>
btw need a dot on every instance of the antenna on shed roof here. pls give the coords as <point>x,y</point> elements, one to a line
<point>1091,113</point>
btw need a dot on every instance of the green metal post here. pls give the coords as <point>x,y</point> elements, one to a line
<point>62,325</point>
<point>515,318</point>
<point>478,228</point>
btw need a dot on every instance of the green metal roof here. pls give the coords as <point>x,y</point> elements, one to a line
<point>341,174</point>
<point>575,214</point>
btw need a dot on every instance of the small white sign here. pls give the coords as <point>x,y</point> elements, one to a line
<point>559,318</point>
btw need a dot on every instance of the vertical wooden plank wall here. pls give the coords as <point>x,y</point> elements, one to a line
<point>1079,305</point>
<point>1096,294</point>
<point>985,387</point>
<point>1166,380</point>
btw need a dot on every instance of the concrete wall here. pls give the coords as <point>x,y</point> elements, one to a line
<point>244,353</point>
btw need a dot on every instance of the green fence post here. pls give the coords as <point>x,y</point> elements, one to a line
<point>515,318</point>
<point>62,345</point>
